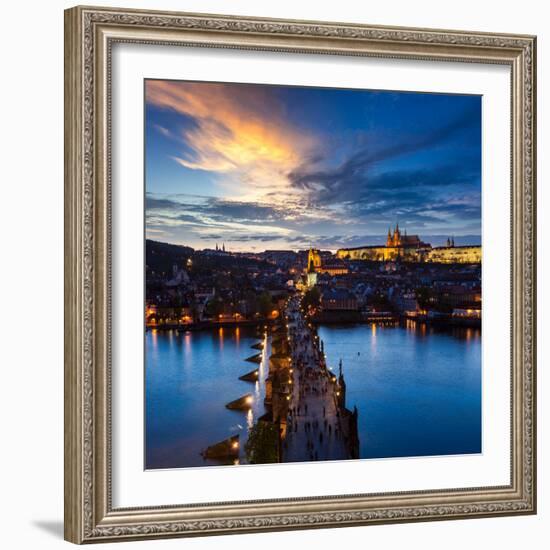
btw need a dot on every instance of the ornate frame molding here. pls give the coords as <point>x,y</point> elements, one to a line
<point>89,35</point>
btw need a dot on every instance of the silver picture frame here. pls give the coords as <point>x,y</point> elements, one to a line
<point>90,34</point>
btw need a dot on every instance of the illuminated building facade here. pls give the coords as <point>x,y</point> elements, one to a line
<point>455,255</point>
<point>410,248</point>
<point>311,273</point>
<point>332,266</point>
<point>338,299</point>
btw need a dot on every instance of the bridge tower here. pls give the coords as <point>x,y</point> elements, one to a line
<point>341,395</point>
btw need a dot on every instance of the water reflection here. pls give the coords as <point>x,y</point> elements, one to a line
<point>187,343</point>
<point>420,392</point>
<point>190,376</point>
<point>421,328</point>
<point>417,388</point>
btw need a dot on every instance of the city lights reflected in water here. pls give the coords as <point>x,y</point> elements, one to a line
<point>400,378</point>
<point>220,337</point>
<point>187,345</point>
<point>187,387</point>
<point>405,378</point>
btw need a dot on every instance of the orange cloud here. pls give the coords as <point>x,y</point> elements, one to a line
<point>241,131</point>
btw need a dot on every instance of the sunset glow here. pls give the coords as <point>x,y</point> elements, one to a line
<point>272,167</point>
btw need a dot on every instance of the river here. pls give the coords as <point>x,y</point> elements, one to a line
<point>417,389</point>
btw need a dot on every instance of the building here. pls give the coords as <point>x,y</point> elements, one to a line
<point>459,295</point>
<point>334,266</point>
<point>406,303</point>
<point>314,258</point>
<point>311,275</point>
<point>327,264</point>
<point>467,313</point>
<point>410,248</point>
<point>397,239</point>
<point>455,255</point>
<point>338,299</point>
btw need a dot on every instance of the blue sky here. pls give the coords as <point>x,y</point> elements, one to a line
<point>279,167</point>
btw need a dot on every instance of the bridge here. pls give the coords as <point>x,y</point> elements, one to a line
<point>317,425</point>
<point>304,399</point>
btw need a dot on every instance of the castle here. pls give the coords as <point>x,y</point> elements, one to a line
<point>412,249</point>
<point>397,239</point>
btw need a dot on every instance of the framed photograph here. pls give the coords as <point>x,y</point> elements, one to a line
<point>300,274</point>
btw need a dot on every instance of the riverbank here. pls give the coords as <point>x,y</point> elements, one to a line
<point>400,378</point>
<point>209,325</point>
<point>389,318</point>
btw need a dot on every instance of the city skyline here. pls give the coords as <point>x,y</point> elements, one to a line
<point>278,167</point>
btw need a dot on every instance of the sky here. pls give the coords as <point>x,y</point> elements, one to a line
<point>280,167</point>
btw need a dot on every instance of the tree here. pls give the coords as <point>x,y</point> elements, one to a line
<point>214,307</point>
<point>312,298</point>
<point>262,445</point>
<point>424,296</point>
<point>194,310</point>
<point>265,304</point>
<point>379,302</point>
<point>251,301</point>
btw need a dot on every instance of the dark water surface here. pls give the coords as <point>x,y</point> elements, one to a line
<point>189,379</point>
<point>418,391</point>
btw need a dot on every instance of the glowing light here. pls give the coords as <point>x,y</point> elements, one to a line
<point>235,445</point>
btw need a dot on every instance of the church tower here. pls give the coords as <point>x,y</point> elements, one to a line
<point>396,235</point>
<point>314,257</point>
<point>311,273</point>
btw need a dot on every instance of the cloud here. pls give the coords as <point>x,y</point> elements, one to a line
<point>244,136</point>
<point>276,182</point>
<point>205,217</point>
<point>216,209</point>
<point>240,238</point>
<point>356,172</point>
<point>163,131</point>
